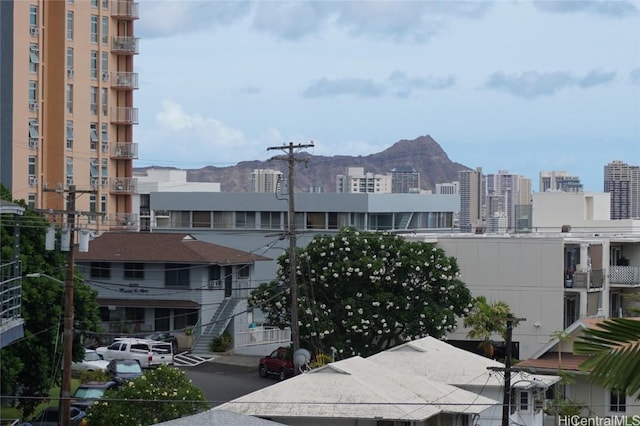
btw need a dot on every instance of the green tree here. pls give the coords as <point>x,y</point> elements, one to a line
<point>614,349</point>
<point>363,292</point>
<point>161,394</point>
<point>485,320</point>
<point>32,365</point>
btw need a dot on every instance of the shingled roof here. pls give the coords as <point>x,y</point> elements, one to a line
<point>161,247</point>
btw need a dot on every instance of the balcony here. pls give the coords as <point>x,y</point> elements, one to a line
<point>125,221</point>
<point>624,275</point>
<point>124,10</point>
<point>124,80</point>
<point>122,185</point>
<point>124,151</point>
<point>593,279</point>
<point>124,115</point>
<point>124,45</point>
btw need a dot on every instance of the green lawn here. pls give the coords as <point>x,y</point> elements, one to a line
<point>16,413</point>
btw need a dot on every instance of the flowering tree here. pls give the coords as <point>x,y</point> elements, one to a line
<point>161,394</point>
<point>363,292</point>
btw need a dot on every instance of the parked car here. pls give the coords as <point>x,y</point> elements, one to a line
<point>50,417</point>
<point>87,393</point>
<point>124,369</point>
<point>164,336</point>
<point>279,363</point>
<point>149,353</point>
<point>92,362</point>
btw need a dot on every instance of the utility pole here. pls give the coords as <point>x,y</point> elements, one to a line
<point>67,341</point>
<point>291,231</point>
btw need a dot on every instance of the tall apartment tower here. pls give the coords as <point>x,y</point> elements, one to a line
<point>559,180</point>
<point>472,199</point>
<point>66,114</point>
<point>356,180</point>
<point>404,180</point>
<point>266,180</point>
<point>517,192</point>
<point>623,182</point>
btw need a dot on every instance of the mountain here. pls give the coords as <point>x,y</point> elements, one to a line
<point>424,154</point>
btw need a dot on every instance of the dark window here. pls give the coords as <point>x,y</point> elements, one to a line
<point>163,317</point>
<point>201,219</point>
<point>618,402</point>
<point>183,318</point>
<point>134,270</point>
<point>104,313</point>
<point>100,270</point>
<point>134,314</point>
<point>176,275</point>
<point>244,271</point>
<point>214,272</point>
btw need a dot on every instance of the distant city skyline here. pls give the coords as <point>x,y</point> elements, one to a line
<point>524,86</point>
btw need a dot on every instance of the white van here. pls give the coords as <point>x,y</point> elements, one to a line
<point>149,353</point>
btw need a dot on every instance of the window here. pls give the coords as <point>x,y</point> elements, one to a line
<point>33,129</point>
<point>33,19</point>
<point>94,3</point>
<point>92,208</point>
<point>214,272</point>
<point>93,100</point>
<point>69,98</point>
<point>100,270</point>
<point>105,101</point>
<point>69,59</point>
<point>33,92</point>
<point>103,207</point>
<point>105,168</point>
<point>104,132</point>
<point>69,134</point>
<point>32,165</point>
<point>176,275</point>
<point>69,25</point>
<point>201,219</point>
<point>93,168</point>
<point>93,65</point>
<point>34,57</point>
<point>246,220</point>
<point>134,271</point>
<point>105,4</point>
<point>270,220</point>
<point>104,32</point>
<point>223,219</point>
<point>69,170</point>
<point>183,318</point>
<point>94,28</point>
<point>104,65</point>
<point>524,401</point>
<point>618,402</point>
<point>136,315</point>
<point>93,136</point>
<point>31,200</point>
<point>243,271</point>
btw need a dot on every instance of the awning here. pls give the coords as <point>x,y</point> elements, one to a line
<point>148,303</point>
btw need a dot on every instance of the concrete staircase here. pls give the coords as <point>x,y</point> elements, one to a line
<point>216,326</point>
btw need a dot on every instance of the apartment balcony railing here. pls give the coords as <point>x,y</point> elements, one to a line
<point>627,275</point>
<point>584,280</point>
<point>124,80</point>
<point>124,151</point>
<point>123,185</point>
<point>124,10</point>
<point>125,45</point>
<point>262,336</point>
<point>161,213</point>
<point>124,115</point>
<point>125,221</point>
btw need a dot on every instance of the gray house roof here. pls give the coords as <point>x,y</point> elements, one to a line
<point>162,247</point>
<point>218,417</point>
<point>357,388</point>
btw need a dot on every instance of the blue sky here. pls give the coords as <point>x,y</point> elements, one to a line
<point>522,86</point>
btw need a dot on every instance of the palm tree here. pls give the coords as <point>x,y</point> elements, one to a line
<point>485,320</point>
<point>614,349</point>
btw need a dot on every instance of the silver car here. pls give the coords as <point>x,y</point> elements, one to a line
<point>92,362</point>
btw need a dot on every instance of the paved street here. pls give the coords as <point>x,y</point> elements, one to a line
<point>227,377</point>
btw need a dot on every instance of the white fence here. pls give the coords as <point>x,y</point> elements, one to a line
<point>262,336</point>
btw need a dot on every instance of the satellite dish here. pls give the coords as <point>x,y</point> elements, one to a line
<point>301,357</point>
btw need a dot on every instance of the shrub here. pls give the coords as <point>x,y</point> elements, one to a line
<point>221,343</point>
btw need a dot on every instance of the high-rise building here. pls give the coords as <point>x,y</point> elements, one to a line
<point>266,180</point>
<point>515,188</point>
<point>356,180</point>
<point>623,182</point>
<point>559,180</point>
<point>448,188</point>
<point>66,114</point>
<point>405,179</point>
<point>472,199</point>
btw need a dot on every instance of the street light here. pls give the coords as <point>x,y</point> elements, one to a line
<point>67,354</point>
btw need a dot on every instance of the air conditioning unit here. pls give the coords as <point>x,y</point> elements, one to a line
<point>69,181</point>
<point>213,284</point>
<point>105,146</point>
<point>105,182</point>
<point>33,142</point>
<point>95,182</point>
<point>70,72</point>
<point>33,30</point>
<point>105,76</point>
<point>33,180</point>
<point>33,106</point>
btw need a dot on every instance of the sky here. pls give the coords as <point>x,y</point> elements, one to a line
<point>523,86</point>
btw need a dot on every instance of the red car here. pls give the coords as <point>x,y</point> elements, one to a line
<point>279,363</point>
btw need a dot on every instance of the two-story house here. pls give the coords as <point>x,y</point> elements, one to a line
<point>169,282</point>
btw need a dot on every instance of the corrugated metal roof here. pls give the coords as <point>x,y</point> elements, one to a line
<point>360,389</point>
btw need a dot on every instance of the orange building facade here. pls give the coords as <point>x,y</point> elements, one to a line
<point>67,115</point>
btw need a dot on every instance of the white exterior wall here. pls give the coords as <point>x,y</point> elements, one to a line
<point>523,272</point>
<point>551,210</point>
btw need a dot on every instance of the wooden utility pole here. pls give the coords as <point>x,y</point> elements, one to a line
<point>291,232</point>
